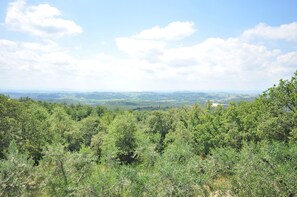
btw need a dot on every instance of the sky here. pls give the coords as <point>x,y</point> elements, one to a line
<point>152,45</point>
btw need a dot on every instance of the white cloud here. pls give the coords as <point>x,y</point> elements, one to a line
<point>233,63</point>
<point>222,63</point>
<point>229,55</point>
<point>147,64</point>
<point>47,65</point>
<point>27,56</point>
<point>286,32</point>
<point>41,20</point>
<point>151,42</point>
<point>289,59</point>
<point>173,31</point>
<point>138,48</point>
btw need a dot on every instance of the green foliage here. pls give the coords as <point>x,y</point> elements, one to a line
<point>62,125</point>
<point>206,126</point>
<point>62,172</point>
<point>90,126</point>
<point>244,149</point>
<point>119,143</point>
<point>178,173</point>
<point>78,112</point>
<point>281,105</point>
<point>223,161</point>
<point>34,131</point>
<point>266,170</point>
<point>16,173</point>
<point>160,123</point>
<point>10,122</point>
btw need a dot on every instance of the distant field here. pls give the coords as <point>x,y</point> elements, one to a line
<point>135,100</point>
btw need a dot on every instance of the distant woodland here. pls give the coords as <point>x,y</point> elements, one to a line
<point>247,148</point>
<point>133,100</point>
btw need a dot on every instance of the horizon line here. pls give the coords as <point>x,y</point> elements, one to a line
<point>20,90</point>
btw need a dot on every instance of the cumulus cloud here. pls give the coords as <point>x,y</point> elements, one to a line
<point>212,57</point>
<point>137,47</point>
<point>152,42</point>
<point>229,55</point>
<point>40,20</point>
<point>44,57</point>
<point>235,62</point>
<point>151,63</point>
<point>286,32</point>
<point>47,65</point>
<point>220,63</point>
<point>173,31</point>
<point>289,59</point>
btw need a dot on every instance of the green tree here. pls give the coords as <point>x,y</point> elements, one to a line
<point>266,169</point>
<point>120,142</point>
<point>78,112</point>
<point>16,173</point>
<point>207,129</point>
<point>160,123</point>
<point>10,122</point>
<point>35,130</point>
<point>281,105</point>
<point>63,173</point>
<point>90,126</point>
<point>62,125</point>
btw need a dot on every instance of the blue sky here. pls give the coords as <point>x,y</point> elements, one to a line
<point>96,45</point>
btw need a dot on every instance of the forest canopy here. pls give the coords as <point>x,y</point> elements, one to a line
<point>248,148</point>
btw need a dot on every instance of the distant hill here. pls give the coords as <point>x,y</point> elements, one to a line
<point>134,100</point>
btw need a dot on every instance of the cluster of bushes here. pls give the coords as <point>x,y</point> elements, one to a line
<point>245,149</point>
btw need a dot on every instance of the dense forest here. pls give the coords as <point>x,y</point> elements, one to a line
<point>244,149</point>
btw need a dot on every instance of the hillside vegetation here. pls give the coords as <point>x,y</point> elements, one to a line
<point>245,149</point>
<point>134,100</point>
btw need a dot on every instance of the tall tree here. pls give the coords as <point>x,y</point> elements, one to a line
<point>120,142</point>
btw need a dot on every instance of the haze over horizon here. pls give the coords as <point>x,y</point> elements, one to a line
<point>146,46</point>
